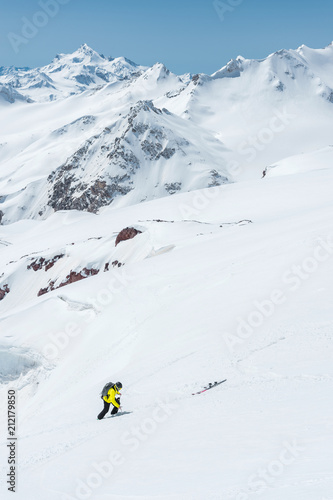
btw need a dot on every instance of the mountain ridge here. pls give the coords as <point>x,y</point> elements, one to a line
<point>235,123</point>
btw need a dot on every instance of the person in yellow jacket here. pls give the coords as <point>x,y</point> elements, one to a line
<point>109,399</point>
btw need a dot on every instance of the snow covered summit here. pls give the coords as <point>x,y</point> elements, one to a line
<point>70,74</point>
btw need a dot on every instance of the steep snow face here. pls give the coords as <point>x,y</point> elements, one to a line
<point>70,74</point>
<point>146,154</point>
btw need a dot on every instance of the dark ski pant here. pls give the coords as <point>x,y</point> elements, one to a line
<point>106,409</point>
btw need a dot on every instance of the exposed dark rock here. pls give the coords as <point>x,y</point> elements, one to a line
<point>36,265</point>
<point>106,267</point>
<point>280,86</point>
<point>1,216</point>
<point>41,263</point>
<point>72,277</point>
<point>173,187</point>
<point>68,190</point>
<point>126,234</point>
<point>4,291</point>
<point>49,288</point>
<point>116,263</point>
<point>290,75</point>
<point>216,179</point>
<point>140,128</point>
<point>124,158</point>
<point>161,220</point>
<point>151,149</point>
<point>329,98</point>
<point>142,105</point>
<point>167,153</point>
<point>174,93</point>
<point>92,197</point>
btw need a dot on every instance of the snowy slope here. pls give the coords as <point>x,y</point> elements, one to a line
<point>264,109</point>
<point>231,281</point>
<point>316,160</point>
<point>204,294</point>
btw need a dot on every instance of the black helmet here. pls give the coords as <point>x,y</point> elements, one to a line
<point>118,385</point>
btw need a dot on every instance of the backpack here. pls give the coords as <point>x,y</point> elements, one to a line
<point>106,389</point>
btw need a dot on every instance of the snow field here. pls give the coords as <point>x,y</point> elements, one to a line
<point>162,325</point>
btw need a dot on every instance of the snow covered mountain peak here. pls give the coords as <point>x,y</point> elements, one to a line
<point>85,49</point>
<point>146,105</point>
<point>303,56</point>
<point>70,74</point>
<point>84,54</point>
<point>158,72</point>
<point>232,69</point>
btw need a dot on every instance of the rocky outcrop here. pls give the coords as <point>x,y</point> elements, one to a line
<point>49,288</point>
<point>173,187</point>
<point>116,263</point>
<point>216,179</point>
<point>91,199</point>
<point>41,263</point>
<point>4,291</point>
<point>71,190</point>
<point>72,277</point>
<point>107,164</point>
<point>126,234</point>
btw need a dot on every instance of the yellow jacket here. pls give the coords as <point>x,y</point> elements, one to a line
<point>110,397</point>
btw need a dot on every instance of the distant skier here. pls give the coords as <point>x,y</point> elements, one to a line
<point>109,393</point>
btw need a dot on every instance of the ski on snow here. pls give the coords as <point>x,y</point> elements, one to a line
<point>210,386</point>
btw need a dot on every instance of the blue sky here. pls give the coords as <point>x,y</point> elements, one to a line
<point>187,36</point>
